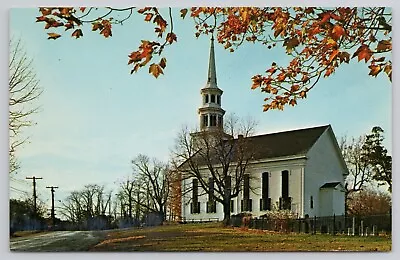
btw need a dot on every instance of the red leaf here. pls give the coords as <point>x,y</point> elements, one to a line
<point>148,17</point>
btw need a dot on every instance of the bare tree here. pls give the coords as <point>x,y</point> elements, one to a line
<point>126,194</point>
<point>217,160</point>
<point>24,91</point>
<point>360,171</point>
<point>154,176</point>
<point>91,201</point>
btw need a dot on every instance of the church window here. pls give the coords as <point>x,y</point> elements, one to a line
<point>212,98</point>
<point>206,98</point>
<point>218,99</point>
<point>195,205</point>
<point>285,184</point>
<point>311,202</point>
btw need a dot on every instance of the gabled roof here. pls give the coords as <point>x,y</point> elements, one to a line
<point>288,143</point>
<point>330,185</point>
<point>275,145</point>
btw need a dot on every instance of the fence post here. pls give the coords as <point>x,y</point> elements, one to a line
<point>362,228</point>
<point>334,225</point>
<point>374,230</point>
<point>315,225</point>
<point>354,226</point>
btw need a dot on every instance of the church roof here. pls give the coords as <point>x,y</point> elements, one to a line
<point>275,145</point>
<point>287,143</point>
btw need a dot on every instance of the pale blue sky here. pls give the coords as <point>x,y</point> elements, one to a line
<point>96,117</point>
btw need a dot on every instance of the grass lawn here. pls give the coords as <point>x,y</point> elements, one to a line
<point>214,237</point>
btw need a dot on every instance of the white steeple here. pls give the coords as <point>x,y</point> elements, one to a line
<point>212,73</point>
<point>211,114</point>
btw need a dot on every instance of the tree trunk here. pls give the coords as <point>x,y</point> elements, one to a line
<point>227,212</point>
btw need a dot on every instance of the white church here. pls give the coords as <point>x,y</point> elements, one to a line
<point>299,170</point>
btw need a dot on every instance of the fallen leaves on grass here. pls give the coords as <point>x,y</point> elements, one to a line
<point>118,240</point>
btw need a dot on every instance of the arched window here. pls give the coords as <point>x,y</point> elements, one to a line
<point>218,99</point>
<point>206,98</point>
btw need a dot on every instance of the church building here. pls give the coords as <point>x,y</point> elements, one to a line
<point>300,170</point>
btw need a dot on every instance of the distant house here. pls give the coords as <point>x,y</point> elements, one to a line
<point>299,170</point>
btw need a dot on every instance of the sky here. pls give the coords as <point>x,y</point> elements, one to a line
<point>95,117</point>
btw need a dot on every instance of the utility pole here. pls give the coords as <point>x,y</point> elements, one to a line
<point>34,178</point>
<point>53,216</point>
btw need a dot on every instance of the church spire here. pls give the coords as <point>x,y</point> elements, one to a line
<point>212,73</point>
<point>211,113</point>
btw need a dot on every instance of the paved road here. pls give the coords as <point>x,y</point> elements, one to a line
<point>58,241</point>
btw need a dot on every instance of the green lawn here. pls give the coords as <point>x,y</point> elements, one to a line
<point>214,237</point>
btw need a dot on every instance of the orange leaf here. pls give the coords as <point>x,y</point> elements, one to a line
<point>77,33</point>
<point>97,26</point>
<point>374,70</point>
<point>337,31</point>
<point>156,70</point>
<point>183,13</point>
<point>294,88</point>
<point>148,17</point>
<point>53,36</point>
<point>45,11</point>
<point>291,43</point>
<point>82,9</point>
<point>363,52</point>
<point>281,77</point>
<point>69,26</point>
<point>384,45</point>
<point>303,94</point>
<point>333,55</point>
<point>106,31</point>
<point>388,71</point>
<point>271,70</point>
<point>171,37</point>
<point>257,79</point>
<point>293,102</point>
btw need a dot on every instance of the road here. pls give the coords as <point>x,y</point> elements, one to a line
<point>58,241</point>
